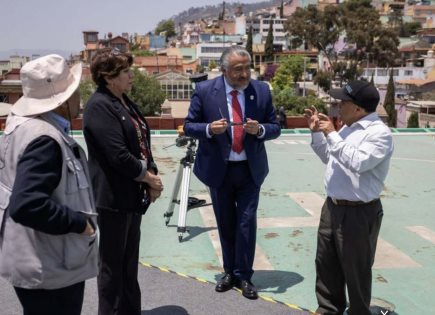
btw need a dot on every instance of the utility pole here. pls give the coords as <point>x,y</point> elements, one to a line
<point>305,66</point>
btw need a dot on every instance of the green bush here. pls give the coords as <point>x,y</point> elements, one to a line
<point>413,120</point>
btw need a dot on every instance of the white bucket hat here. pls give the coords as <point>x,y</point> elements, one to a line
<point>4,109</point>
<point>47,83</point>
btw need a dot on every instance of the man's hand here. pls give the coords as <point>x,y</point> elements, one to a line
<point>251,126</point>
<point>312,117</point>
<point>89,230</point>
<point>325,124</point>
<point>153,181</point>
<point>153,194</point>
<point>218,126</point>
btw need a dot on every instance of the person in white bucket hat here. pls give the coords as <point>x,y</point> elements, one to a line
<point>48,239</point>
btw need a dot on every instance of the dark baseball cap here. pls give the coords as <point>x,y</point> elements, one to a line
<point>361,93</point>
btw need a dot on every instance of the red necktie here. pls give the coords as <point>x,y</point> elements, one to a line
<point>237,118</point>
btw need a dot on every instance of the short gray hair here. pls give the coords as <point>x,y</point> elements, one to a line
<point>236,50</point>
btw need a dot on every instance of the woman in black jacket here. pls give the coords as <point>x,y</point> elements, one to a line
<point>124,178</point>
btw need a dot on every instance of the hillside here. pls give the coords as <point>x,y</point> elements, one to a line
<point>213,11</point>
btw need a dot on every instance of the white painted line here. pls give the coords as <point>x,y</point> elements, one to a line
<point>413,160</point>
<point>303,142</point>
<point>261,262</point>
<point>389,257</point>
<point>423,232</point>
<point>277,142</point>
<point>312,202</point>
<point>290,141</point>
<point>287,222</point>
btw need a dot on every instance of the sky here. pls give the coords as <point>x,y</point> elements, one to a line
<point>58,24</point>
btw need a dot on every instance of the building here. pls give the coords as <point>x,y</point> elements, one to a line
<point>10,87</point>
<point>93,44</point>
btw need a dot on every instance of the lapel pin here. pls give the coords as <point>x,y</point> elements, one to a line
<point>123,118</point>
<point>251,97</point>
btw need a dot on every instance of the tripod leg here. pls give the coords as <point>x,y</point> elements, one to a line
<point>184,198</point>
<point>168,214</point>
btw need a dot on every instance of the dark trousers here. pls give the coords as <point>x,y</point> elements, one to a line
<point>118,288</point>
<point>235,205</point>
<point>346,247</point>
<point>65,301</point>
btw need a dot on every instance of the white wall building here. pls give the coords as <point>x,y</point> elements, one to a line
<point>260,25</point>
<point>207,52</point>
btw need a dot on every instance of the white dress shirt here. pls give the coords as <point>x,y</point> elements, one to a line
<point>357,158</point>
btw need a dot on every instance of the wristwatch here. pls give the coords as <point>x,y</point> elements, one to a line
<point>260,132</point>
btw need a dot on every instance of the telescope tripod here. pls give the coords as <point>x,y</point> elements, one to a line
<point>183,181</point>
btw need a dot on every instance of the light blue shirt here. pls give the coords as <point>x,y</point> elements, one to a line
<point>357,159</point>
<point>61,122</point>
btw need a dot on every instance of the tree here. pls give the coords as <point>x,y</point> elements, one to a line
<point>222,14</point>
<point>288,73</point>
<point>281,9</point>
<point>249,45</point>
<point>389,103</point>
<point>385,49</point>
<point>147,94</point>
<point>409,28</point>
<point>167,27</point>
<point>364,33</point>
<point>212,65</point>
<point>268,47</point>
<point>295,105</point>
<point>86,88</point>
<point>324,80</point>
<point>413,121</point>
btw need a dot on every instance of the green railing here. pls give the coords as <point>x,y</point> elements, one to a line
<point>297,131</point>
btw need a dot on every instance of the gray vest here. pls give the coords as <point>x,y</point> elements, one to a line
<point>29,258</point>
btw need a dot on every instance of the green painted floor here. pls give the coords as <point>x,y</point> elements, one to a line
<point>405,272</point>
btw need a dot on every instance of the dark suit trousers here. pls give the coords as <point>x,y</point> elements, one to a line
<point>235,205</point>
<point>118,287</point>
<point>66,301</point>
<point>346,247</point>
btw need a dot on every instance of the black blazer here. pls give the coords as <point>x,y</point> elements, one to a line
<point>114,153</point>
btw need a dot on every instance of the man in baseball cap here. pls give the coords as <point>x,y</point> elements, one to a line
<point>357,159</point>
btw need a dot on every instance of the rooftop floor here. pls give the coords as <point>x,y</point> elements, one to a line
<point>290,202</point>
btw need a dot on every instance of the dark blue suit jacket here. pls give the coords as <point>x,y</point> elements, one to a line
<point>207,104</point>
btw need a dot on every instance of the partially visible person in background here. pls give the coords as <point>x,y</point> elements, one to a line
<point>124,176</point>
<point>48,239</point>
<point>282,118</point>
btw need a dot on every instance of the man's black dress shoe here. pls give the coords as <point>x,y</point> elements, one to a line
<point>226,283</point>
<point>248,289</point>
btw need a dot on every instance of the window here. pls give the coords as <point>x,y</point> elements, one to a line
<point>178,89</point>
<point>382,72</point>
<point>408,72</point>
<point>92,37</point>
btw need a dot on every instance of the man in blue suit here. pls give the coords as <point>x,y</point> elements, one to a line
<point>232,116</point>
